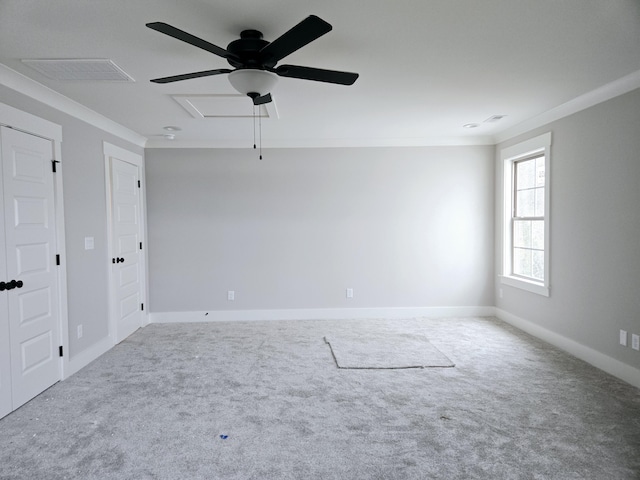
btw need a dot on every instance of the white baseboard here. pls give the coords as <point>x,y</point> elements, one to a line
<point>318,314</point>
<point>604,362</point>
<point>87,356</point>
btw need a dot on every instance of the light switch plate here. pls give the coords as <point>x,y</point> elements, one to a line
<point>635,341</point>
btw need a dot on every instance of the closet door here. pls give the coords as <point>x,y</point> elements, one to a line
<point>5,345</point>
<point>126,228</point>
<point>30,241</point>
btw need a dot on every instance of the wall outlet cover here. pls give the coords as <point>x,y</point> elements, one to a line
<point>623,338</point>
<point>635,342</point>
<point>231,295</point>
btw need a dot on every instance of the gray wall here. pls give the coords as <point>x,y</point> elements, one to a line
<point>85,215</point>
<point>401,226</point>
<point>595,229</point>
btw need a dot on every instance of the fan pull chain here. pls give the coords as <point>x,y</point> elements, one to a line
<point>254,127</point>
<point>260,125</point>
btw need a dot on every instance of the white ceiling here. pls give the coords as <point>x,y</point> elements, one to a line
<point>427,67</point>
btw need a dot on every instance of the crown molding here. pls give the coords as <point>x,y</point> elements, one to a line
<point>26,86</point>
<point>602,94</point>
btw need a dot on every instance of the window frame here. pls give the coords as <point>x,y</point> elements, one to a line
<point>510,156</point>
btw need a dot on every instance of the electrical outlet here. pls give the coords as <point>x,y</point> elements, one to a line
<point>349,292</point>
<point>79,331</point>
<point>635,341</point>
<point>231,295</point>
<point>623,338</point>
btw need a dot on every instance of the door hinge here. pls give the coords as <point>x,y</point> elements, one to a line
<point>140,245</point>
<point>138,183</point>
<point>53,165</point>
<point>60,350</point>
<point>58,259</point>
<point>142,307</point>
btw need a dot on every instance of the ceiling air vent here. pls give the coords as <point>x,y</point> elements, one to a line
<point>79,70</point>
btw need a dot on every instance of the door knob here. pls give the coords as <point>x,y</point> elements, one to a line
<point>11,285</point>
<point>120,260</point>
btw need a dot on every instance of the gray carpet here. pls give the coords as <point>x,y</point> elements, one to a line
<point>264,400</point>
<point>381,350</point>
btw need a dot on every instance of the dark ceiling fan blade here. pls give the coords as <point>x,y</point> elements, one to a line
<point>263,99</point>
<point>317,74</point>
<point>303,33</point>
<point>187,76</point>
<point>190,39</point>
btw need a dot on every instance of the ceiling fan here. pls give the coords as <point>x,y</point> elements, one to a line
<point>255,59</point>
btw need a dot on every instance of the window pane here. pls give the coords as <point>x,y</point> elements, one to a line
<point>525,203</point>
<point>522,233</point>
<point>540,172</point>
<point>522,262</point>
<point>539,208</point>
<point>537,234</point>
<point>525,174</point>
<point>537,269</point>
<point>526,208</point>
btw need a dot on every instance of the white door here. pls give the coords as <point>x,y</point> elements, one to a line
<point>126,228</point>
<point>31,292</point>
<point>5,344</point>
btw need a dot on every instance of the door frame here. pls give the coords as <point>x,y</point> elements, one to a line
<point>125,155</point>
<point>27,123</point>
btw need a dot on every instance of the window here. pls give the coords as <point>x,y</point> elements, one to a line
<point>526,215</point>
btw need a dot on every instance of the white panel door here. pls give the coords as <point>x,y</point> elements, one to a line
<point>30,237</point>
<point>126,228</point>
<point>5,344</point>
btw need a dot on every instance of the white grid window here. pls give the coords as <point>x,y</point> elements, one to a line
<point>526,219</point>
<point>527,222</point>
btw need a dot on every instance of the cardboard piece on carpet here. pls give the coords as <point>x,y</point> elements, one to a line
<point>392,351</point>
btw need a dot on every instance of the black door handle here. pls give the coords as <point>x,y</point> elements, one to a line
<point>11,285</point>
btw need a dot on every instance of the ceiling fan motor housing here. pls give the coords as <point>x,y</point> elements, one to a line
<point>247,49</point>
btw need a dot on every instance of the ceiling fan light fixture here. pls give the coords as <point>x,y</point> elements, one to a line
<point>252,80</point>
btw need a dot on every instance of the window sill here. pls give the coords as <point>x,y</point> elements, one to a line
<point>529,286</point>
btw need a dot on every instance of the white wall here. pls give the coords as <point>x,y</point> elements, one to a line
<point>595,235</point>
<point>403,227</point>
